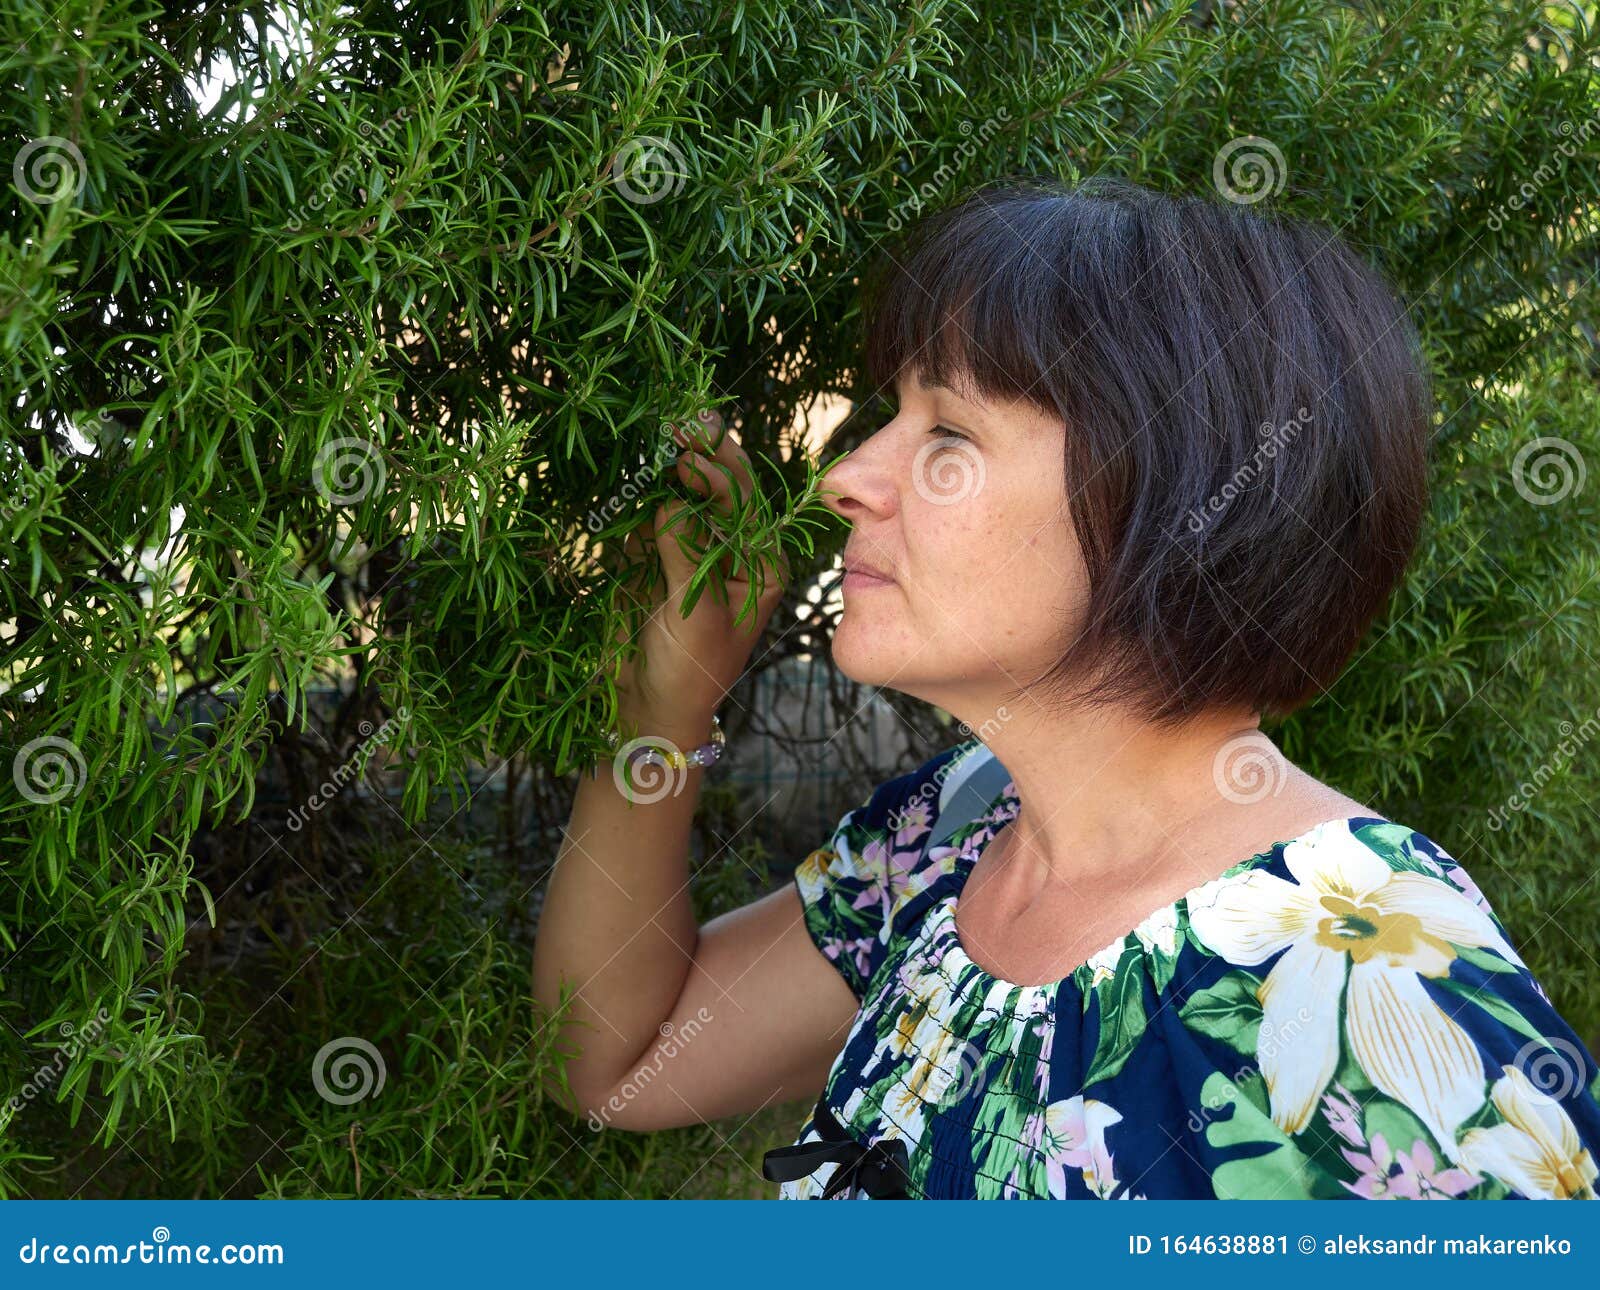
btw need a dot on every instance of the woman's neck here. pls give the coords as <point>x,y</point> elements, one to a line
<point>1101,793</point>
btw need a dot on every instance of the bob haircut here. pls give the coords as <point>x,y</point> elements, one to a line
<point>1247,418</point>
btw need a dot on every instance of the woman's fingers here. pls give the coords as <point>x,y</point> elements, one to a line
<point>715,464</point>
<point>707,432</point>
<point>679,541</point>
<point>711,477</point>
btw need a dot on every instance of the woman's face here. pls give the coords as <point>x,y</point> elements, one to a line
<point>964,508</point>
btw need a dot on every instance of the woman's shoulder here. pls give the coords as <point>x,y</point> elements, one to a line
<point>909,831</point>
<point>955,786</point>
<point>1362,965</point>
<point>1375,879</point>
<point>888,858</point>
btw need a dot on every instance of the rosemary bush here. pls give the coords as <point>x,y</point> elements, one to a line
<point>337,345</point>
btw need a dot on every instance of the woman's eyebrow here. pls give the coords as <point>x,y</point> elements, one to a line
<point>934,385</point>
<point>943,388</point>
<point>964,424</point>
<point>922,382</point>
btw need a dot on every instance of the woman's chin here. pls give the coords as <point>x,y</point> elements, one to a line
<point>869,657</point>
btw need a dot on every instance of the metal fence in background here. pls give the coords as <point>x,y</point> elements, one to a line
<point>808,744</point>
<point>805,745</point>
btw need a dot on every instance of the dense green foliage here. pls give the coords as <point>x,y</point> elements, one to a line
<point>358,372</point>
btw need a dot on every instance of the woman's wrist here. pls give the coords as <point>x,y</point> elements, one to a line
<point>685,726</point>
<point>687,737</point>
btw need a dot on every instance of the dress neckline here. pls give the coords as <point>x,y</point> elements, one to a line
<point>955,954</point>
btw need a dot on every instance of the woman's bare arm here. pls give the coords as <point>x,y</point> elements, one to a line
<point>671,1024</point>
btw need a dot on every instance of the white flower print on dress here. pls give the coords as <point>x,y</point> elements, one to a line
<point>1537,1150</point>
<point>1071,1134</point>
<point>1349,915</point>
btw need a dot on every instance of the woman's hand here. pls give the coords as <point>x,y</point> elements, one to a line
<point>686,666</point>
<point>619,947</point>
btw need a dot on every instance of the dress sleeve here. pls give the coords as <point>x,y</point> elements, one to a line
<point>1536,1134</point>
<point>848,887</point>
<point>1404,1048</point>
<point>1452,1024</point>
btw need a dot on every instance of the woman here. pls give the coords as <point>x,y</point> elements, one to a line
<point>1156,467</point>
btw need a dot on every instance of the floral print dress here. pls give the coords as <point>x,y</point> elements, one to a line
<point>1339,1016</point>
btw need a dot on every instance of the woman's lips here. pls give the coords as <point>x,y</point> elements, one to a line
<point>860,580</point>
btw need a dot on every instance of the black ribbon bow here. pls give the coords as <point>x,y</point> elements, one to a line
<point>882,1170</point>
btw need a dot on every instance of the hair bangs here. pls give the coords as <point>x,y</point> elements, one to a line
<point>959,307</point>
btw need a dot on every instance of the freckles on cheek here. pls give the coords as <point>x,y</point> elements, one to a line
<point>986,607</point>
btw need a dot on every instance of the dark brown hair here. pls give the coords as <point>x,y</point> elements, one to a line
<point>1247,415</point>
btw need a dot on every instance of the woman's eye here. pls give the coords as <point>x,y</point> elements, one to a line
<point>945,432</point>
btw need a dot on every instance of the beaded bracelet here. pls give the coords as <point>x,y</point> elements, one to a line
<point>646,754</point>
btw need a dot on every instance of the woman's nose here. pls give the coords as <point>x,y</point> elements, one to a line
<point>861,484</point>
<point>836,490</point>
